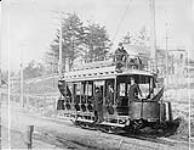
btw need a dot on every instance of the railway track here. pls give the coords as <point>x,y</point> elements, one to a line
<point>52,137</point>
<point>61,133</point>
<point>124,141</point>
<point>160,139</point>
<point>64,142</point>
<point>153,137</point>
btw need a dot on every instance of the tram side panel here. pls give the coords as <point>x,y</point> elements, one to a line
<point>151,111</point>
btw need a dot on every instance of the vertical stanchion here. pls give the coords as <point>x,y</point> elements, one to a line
<point>166,62</point>
<point>189,95</point>
<point>28,136</point>
<point>60,61</point>
<point>9,82</point>
<point>44,104</point>
<point>27,101</point>
<point>21,80</point>
<point>115,87</point>
<point>153,33</point>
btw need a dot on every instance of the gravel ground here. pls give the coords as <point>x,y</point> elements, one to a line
<point>17,132</point>
<point>17,141</point>
<point>180,107</point>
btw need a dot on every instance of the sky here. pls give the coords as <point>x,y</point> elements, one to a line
<point>29,26</point>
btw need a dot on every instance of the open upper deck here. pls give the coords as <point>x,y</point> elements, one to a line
<point>104,69</point>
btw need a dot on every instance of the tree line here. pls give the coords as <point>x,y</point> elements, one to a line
<point>88,42</point>
<point>80,40</point>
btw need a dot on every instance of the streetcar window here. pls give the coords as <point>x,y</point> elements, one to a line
<point>151,84</point>
<point>77,89</point>
<point>122,89</point>
<point>82,89</point>
<point>88,90</point>
<point>144,89</point>
<point>147,86</point>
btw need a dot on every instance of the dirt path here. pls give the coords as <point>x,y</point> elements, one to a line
<point>61,134</point>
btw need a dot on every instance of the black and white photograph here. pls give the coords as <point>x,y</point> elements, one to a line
<point>97,74</point>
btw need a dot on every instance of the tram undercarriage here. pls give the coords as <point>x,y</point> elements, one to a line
<point>137,119</point>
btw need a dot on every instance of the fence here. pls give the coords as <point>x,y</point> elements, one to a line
<point>43,104</point>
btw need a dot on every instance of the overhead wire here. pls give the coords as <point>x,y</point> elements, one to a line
<point>121,20</point>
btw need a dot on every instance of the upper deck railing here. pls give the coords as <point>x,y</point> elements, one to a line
<point>121,61</point>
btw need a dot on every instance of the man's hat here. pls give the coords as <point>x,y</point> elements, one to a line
<point>132,78</point>
<point>97,88</point>
<point>120,44</point>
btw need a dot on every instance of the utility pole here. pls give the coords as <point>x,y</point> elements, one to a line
<point>52,72</point>
<point>153,34</point>
<point>60,62</point>
<point>166,63</point>
<point>0,47</point>
<point>21,79</point>
<point>166,54</point>
<point>8,43</point>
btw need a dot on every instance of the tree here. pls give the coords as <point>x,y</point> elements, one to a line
<point>97,41</point>
<point>127,39</point>
<point>140,38</point>
<point>73,34</point>
<point>33,69</point>
<point>79,41</point>
<point>4,77</point>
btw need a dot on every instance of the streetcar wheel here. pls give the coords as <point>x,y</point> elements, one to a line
<point>138,124</point>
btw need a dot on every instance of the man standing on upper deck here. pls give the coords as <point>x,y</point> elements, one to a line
<point>120,57</point>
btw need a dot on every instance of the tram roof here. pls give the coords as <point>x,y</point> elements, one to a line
<point>101,73</point>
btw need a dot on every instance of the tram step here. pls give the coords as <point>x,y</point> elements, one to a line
<point>103,123</point>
